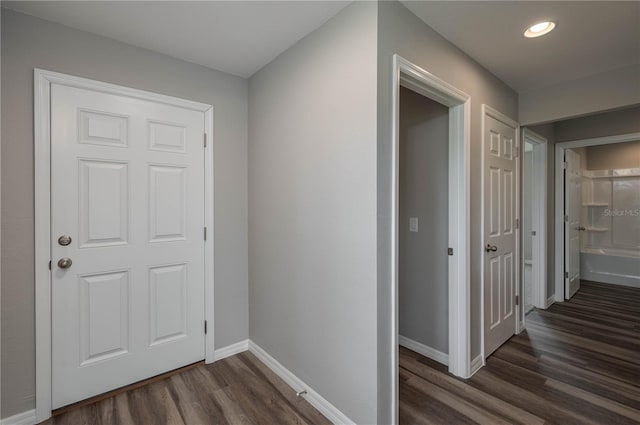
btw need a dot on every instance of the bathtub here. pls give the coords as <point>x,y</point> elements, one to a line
<point>611,265</point>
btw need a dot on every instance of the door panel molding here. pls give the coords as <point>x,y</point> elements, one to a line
<point>102,132</point>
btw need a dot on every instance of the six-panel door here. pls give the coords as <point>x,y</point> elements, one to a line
<point>500,233</point>
<point>127,185</point>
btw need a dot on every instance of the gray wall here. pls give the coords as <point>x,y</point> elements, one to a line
<point>422,269</point>
<point>402,32</point>
<point>312,215</point>
<point>610,123</point>
<point>609,90</point>
<point>617,155</point>
<point>28,43</point>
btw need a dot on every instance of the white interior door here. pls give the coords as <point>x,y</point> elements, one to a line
<point>127,188</point>
<point>500,241</point>
<point>572,207</point>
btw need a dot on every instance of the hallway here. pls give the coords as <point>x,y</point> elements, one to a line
<point>577,363</point>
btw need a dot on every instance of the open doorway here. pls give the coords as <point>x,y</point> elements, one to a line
<point>453,176</point>
<point>598,220</point>
<point>534,221</point>
<point>423,324</point>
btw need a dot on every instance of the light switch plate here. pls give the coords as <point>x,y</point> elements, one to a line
<point>413,224</point>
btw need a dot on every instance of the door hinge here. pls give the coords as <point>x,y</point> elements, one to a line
<point>205,327</point>
<point>205,140</point>
<point>566,218</point>
<point>49,264</point>
<point>517,300</point>
<point>565,165</point>
<point>566,275</point>
<point>517,223</point>
<point>449,251</point>
<point>205,233</point>
<point>517,151</point>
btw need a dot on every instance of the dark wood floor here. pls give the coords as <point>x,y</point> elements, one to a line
<point>577,363</point>
<point>236,390</point>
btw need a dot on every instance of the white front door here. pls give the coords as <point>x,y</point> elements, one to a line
<point>572,206</point>
<point>127,189</point>
<point>500,259</point>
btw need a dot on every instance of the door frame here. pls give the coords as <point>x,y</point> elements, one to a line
<point>42,179</point>
<point>559,295</point>
<point>417,79</point>
<point>488,111</point>
<point>538,218</point>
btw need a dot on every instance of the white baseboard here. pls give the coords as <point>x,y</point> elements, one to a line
<point>425,350</point>
<point>476,364</point>
<point>550,301</point>
<point>231,350</point>
<point>611,278</point>
<point>315,399</point>
<point>24,418</point>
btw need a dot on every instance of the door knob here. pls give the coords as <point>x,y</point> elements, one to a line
<point>582,228</point>
<point>64,263</point>
<point>491,248</point>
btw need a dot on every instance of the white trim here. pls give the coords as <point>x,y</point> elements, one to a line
<point>559,198</point>
<point>24,418</point>
<point>477,363</point>
<point>42,179</point>
<point>539,216</point>
<point>209,244</point>
<point>606,140</point>
<point>549,302</point>
<point>558,250</point>
<point>231,350</point>
<point>611,278</point>
<point>488,111</point>
<point>425,350</point>
<point>316,400</point>
<point>42,203</point>
<point>459,103</point>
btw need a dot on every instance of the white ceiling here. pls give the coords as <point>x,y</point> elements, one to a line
<point>238,37</point>
<point>591,37</point>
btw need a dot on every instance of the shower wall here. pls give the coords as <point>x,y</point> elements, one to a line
<point>611,209</point>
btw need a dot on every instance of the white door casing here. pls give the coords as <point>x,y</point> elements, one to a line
<point>573,204</point>
<point>417,79</point>
<point>43,82</point>
<point>539,217</point>
<point>127,185</point>
<point>500,268</point>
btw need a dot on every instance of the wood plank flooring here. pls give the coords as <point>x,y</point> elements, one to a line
<point>577,363</point>
<point>236,390</point>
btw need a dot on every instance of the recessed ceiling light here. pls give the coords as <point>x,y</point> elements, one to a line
<point>541,28</point>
